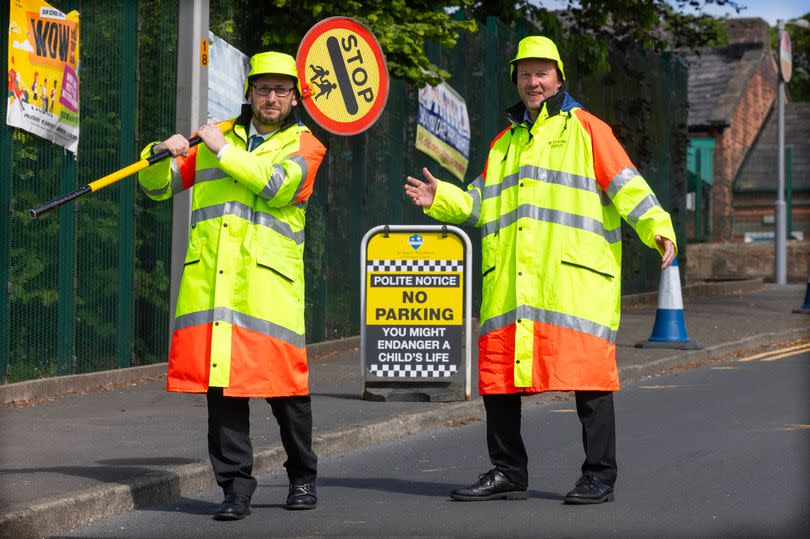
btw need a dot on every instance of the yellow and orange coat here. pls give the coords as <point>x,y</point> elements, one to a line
<point>240,313</point>
<point>549,205</point>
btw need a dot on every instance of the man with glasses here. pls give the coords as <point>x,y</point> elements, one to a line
<point>239,327</point>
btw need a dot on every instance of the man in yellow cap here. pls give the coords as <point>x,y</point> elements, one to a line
<point>549,203</point>
<point>239,327</point>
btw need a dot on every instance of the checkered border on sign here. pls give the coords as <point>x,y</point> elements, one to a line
<point>414,265</point>
<point>413,371</point>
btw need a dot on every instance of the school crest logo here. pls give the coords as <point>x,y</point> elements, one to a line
<point>415,241</point>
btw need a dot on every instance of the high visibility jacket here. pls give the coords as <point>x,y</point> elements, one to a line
<point>549,205</point>
<point>240,314</point>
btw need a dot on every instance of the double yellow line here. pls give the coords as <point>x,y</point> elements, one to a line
<point>773,355</point>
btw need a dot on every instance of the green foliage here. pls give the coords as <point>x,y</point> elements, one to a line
<point>799,86</point>
<point>652,25</point>
<point>402,27</point>
<point>405,27</point>
<point>507,11</point>
<point>33,258</point>
<point>798,89</point>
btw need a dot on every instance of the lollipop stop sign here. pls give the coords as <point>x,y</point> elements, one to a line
<point>343,75</point>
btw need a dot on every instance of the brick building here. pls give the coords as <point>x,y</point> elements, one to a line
<point>732,91</point>
<point>755,185</point>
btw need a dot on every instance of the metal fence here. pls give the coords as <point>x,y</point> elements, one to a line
<point>88,287</point>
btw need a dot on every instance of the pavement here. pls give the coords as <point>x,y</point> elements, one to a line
<point>80,448</point>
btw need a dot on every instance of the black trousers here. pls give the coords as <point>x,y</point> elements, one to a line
<point>508,454</point>
<point>229,444</point>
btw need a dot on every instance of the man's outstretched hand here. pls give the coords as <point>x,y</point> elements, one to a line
<point>421,193</point>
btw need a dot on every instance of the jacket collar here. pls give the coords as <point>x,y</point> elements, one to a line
<point>551,107</point>
<point>246,114</point>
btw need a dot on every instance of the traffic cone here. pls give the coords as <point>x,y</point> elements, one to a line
<point>669,330</point>
<point>805,309</point>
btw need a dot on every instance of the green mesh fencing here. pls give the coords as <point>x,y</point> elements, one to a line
<point>157,60</point>
<point>87,288</point>
<point>87,284</point>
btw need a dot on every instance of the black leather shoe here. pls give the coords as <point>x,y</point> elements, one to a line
<point>492,485</point>
<point>235,507</point>
<point>590,489</point>
<point>302,496</point>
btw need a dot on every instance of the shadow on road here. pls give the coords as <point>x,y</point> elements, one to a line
<point>418,488</point>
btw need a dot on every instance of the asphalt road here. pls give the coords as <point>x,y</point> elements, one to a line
<point>718,451</point>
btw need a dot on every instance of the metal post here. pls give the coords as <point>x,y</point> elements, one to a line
<point>357,225</point>
<point>6,177</point>
<point>789,190</point>
<point>191,113</point>
<point>66,269</point>
<point>698,196</point>
<point>66,306</point>
<point>490,88</point>
<point>780,233</point>
<point>125,316</point>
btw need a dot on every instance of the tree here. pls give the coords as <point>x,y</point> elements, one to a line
<point>799,85</point>
<point>653,25</point>
<point>401,26</point>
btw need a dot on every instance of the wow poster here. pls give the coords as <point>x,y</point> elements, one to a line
<point>43,72</point>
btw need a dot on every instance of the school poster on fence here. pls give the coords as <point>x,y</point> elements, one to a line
<point>443,128</point>
<point>43,72</point>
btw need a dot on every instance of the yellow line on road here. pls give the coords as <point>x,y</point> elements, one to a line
<point>804,347</point>
<point>787,354</point>
<point>795,427</point>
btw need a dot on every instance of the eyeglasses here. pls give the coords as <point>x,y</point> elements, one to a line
<point>264,91</point>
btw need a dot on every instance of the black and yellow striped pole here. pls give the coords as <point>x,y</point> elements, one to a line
<point>116,176</point>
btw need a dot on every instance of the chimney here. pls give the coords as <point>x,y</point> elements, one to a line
<point>748,31</point>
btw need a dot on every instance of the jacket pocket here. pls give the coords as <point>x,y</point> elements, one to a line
<point>280,265</point>
<point>589,252</point>
<point>277,255</point>
<point>489,248</point>
<point>193,254</point>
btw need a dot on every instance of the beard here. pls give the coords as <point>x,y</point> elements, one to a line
<point>270,118</point>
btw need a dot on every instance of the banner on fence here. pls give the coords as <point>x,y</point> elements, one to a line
<point>43,72</point>
<point>443,128</point>
<point>226,74</point>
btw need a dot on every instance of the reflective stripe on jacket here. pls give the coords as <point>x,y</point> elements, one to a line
<point>549,205</point>
<point>240,312</point>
